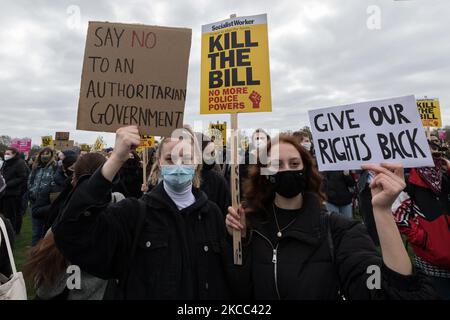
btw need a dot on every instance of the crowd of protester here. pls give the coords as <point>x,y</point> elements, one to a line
<point>306,234</point>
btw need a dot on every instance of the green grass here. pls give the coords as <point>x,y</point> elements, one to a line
<point>21,246</point>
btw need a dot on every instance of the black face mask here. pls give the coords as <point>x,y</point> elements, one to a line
<point>289,183</point>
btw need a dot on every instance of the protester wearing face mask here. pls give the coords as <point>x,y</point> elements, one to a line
<point>162,246</point>
<point>61,179</point>
<point>422,214</point>
<point>304,139</point>
<point>213,183</point>
<point>41,176</point>
<point>15,173</point>
<point>294,250</point>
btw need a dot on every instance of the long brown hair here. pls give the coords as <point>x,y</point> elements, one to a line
<point>45,263</point>
<point>259,192</point>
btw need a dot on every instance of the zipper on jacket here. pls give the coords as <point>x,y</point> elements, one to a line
<point>274,261</point>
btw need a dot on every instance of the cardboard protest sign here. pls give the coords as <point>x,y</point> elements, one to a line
<point>430,112</point>
<point>47,141</point>
<point>218,133</point>
<point>63,145</point>
<point>370,132</point>
<point>235,73</point>
<point>98,145</point>
<point>62,136</point>
<point>134,75</point>
<point>23,145</point>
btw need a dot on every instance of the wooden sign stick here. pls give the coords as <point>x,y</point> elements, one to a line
<point>144,165</point>
<point>235,190</point>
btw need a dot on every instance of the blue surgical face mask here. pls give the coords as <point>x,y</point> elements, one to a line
<point>178,177</point>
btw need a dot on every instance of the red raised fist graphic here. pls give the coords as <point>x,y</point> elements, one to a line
<point>255,98</point>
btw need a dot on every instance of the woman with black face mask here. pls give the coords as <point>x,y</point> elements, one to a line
<point>294,249</point>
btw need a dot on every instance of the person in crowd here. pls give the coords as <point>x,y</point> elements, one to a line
<point>5,264</point>
<point>2,159</point>
<point>365,204</point>
<point>60,158</point>
<point>338,187</point>
<point>61,180</point>
<point>213,183</point>
<point>422,214</point>
<point>46,268</point>
<point>259,139</point>
<point>15,173</point>
<point>165,245</point>
<point>30,162</point>
<point>130,177</point>
<point>40,178</point>
<point>304,139</point>
<point>294,249</point>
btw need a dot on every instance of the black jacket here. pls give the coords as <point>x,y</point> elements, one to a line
<point>217,189</point>
<point>130,180</point>
<point>336,187</point>
<point>302,266</point>
<point>15,172</point>
<point>5,263</point>
<point>178,255</point>
<point>41,207</point>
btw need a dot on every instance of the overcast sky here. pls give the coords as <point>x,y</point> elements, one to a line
<point>322,53</point>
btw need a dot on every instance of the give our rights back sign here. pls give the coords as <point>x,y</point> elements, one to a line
<point>379,131</point>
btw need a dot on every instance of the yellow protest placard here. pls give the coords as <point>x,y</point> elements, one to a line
<point>98,145</point>
<point>235,73</point>
<point>218,133</point>
<point>430,112</point>
<point>47,141</point>
<point>85,147</point>
<point>147,141</point>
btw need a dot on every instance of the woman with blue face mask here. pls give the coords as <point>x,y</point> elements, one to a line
<point>166,245</point>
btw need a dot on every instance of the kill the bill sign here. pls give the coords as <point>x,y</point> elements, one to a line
<point>235,73</point>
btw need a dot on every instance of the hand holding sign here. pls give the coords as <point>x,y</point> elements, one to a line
<point>387,184</point>
<point>126,139</point>
<point>235,220</point>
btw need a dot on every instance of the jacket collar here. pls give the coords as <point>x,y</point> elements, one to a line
<point>306,228</point>
<point>159,199</point>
